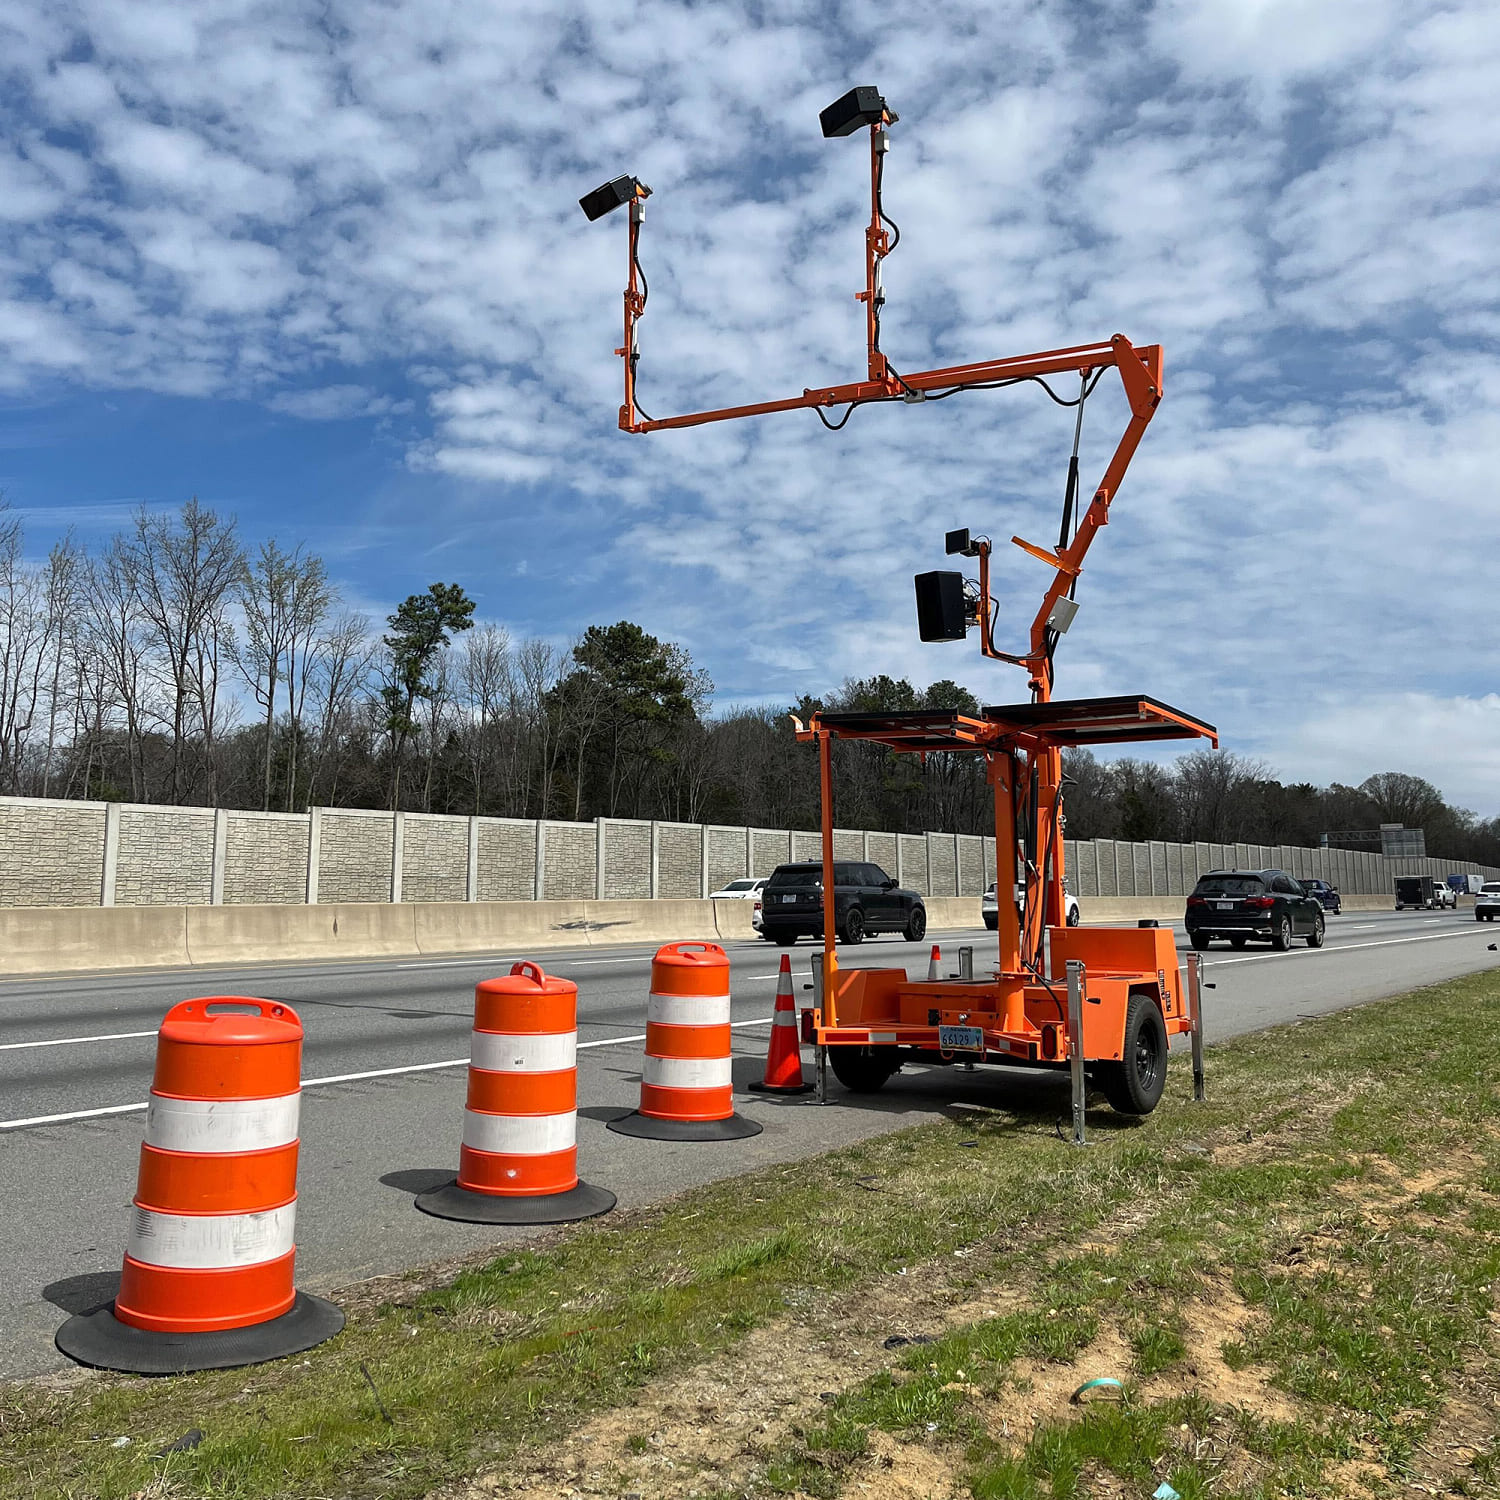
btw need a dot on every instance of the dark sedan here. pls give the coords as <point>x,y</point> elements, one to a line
<point>866,901</point>
<point>1327,894</point>
<point>1267,905</point>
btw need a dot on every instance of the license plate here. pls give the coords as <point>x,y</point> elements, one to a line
<point>788,900</point>
<point>1225,905</point>
<point>960,1039</point>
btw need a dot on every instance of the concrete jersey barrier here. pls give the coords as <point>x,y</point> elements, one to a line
<point>53,939</point>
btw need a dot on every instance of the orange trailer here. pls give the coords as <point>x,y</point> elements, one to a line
<point>1102,1000</point>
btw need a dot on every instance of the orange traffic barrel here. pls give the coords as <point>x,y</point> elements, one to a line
<point>687,1091</point>
<point>207,1280</point>
<point>518,1162</point>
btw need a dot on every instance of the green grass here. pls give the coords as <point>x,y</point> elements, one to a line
<point>1360,1318</point>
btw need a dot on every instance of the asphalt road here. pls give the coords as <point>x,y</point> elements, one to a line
<point>384,1076</point>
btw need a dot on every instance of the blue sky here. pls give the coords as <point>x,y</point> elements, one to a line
<point>322,265</point>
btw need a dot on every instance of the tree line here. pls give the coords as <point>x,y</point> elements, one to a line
<point>172,663</point>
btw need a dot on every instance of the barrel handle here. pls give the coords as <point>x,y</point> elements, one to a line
<point>532,971</point>
<point>191,1008</point>
<point>709,951</point>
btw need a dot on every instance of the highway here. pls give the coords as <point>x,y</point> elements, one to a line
<point>384,1079</point>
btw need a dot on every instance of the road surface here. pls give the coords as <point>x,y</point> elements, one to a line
<point>384,1077</point>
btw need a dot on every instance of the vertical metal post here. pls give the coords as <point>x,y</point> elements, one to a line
<point>1076,980</point>
<point>822,1052</point>
<point>1195,999</point>
<point>965,963</point>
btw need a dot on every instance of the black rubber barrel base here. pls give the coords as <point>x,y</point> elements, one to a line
<point>453,1202</point>
<point>648,1128</point>
<point>781,1088</point>
<point>100,1339</point>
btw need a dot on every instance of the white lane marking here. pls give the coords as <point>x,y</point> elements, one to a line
<point>69,1041</point>
<point>1426,937</point>
<point>307,1083</point>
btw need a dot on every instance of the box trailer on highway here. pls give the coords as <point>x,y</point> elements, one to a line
<point>1417,891</point>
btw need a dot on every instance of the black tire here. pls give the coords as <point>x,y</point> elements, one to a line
<point>1238,940</point>
<point>864,1070</point>
<point>916,925</point>
<point>1199,940</point>
<point>854,926</point>
<point>1134,1086</point>
<point>1315,937</point>
<point>785,939</point>
<point>993,926</point>
<point>1281,937</point>
<point>1075,915</point>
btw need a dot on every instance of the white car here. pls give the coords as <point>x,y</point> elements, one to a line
<point>747,889</point>
<point>1487,902</point>
<point>990,910</point>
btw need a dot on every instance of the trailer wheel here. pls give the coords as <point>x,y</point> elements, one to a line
<point>864,1070</point>
<point>1134,1085</point>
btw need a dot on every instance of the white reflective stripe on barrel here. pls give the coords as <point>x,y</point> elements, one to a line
<point>520,1135</point>
<point>217,1125</point>
<point>211,1242</point>
<point>686,1072</point>
<point>515,1052</point>
<point>687,1010</point>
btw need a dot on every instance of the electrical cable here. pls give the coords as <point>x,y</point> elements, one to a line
<point>989,385</point>
<point>849,412</point>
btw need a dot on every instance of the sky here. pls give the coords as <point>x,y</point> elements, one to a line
<point>322,265</point>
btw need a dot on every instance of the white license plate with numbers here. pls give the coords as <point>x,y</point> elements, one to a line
<point>960,1039</point>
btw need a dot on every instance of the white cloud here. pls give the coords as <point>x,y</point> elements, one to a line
<point>318,206</point>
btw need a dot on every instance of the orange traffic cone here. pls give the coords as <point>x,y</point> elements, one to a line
<point>932,963</point>
<point>784,1057</point>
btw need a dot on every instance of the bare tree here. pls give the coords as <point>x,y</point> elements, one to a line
<point>338,671</point>
<point>264,591</point>
<point>312,597</point>
<point>183,569</point>
<point>65,566</point>
<point>23,648</point>
<point>484,680</point>
<point>114,638</point>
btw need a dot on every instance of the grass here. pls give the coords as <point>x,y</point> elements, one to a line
<point>1359,1318</point>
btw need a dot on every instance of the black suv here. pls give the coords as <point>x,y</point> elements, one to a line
<point>865,900</point>
<point>1244,904</point>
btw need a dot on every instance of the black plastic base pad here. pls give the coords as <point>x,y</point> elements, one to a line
<point>735,1128</point>
<point>781,1088</point>
<point>453,1202</point>
<point>98,1338</point>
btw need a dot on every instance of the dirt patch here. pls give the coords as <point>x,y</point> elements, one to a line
<point>714,1425</point>
<point>1209,1323</point>
<point>1467,1428</point>
<point>1040,1391</point>
<point>1037,1391</point>
<point>903,1471</point>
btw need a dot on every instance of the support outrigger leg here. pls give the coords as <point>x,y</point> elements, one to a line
<point>1195,999</point>
<point>1075,1047</point>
